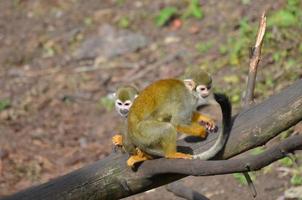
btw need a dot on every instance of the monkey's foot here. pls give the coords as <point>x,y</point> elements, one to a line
<point>179,155</point>
<point>139,157</point>
<point>117,140</point>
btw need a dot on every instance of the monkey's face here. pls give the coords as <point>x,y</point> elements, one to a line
<point>123,107</point>
<point>200,91</point>
<point>203,90</point>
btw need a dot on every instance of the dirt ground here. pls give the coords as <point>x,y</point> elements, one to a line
<point>56,66</point>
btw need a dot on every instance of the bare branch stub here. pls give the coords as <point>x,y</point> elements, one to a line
<point>254,61</point>
<point>248,99</point>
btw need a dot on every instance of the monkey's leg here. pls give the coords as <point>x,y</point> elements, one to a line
<point>194,129</point>
<point>117,140</point>
<point>159,139</point>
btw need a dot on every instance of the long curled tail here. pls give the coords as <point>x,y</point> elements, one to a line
<point>226,110</point>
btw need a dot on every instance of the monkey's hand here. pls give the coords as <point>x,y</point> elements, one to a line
<point>210,126</point>
<point>117,140</point>
<point>206,121</point>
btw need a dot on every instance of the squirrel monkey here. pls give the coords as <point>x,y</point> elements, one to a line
<point>205,96</point>
<point>159,112</point>
<point>208,97</point>
<point>124,97</point>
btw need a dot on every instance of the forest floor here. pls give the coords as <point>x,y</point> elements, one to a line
<point>59,60</point>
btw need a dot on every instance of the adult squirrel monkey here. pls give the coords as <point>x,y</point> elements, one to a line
<point>124,97</point>
<point>160,111</point>
<point>204,96</point>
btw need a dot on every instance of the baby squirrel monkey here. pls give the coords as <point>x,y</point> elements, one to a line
<point>210,98</point>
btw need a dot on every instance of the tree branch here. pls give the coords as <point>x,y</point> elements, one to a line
<point>215,167</point>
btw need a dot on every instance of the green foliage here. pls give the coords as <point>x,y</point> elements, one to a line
<point>204,47</point>
<point>124,22</point>
<point>4,104</point>
<point>296,180</point>
<point>165,16</point>
<point>107,102</point>
<point>241,178</point>
<point>283,18</point>
<point>287,162</point>
<point>238,45</point>
<point>231,79</point>
<point>193,10</point>
<point>287,17</point>
<point>223,49</point>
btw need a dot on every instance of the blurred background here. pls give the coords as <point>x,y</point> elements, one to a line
<point>61,59</point>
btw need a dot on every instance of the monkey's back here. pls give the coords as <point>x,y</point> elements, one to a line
<point>163,98</point>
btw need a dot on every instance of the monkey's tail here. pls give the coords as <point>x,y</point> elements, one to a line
<point>226,110</point>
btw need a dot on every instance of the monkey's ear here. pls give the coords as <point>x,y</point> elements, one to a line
<point>190,84</point>
<point>135,96</point>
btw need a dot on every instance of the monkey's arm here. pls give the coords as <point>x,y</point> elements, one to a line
<point>194,129</point>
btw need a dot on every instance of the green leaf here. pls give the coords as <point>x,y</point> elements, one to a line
<point>193,10</point>
<point>296,180</point>
<point>283,18</point>
<point>165,15</point>
<point>4,104</point>
<point>287,162</point>
<point>124,22</point>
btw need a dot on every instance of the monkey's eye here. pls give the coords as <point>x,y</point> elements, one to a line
<point>201,88</point>
<point>209,87</point>
<point>119,103</point>
<point>127,104</point>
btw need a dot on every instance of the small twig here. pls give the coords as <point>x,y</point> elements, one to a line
<point>255,58</point>
<point>250,183</point>
<point>180,190</point>
<point>215,167</point>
